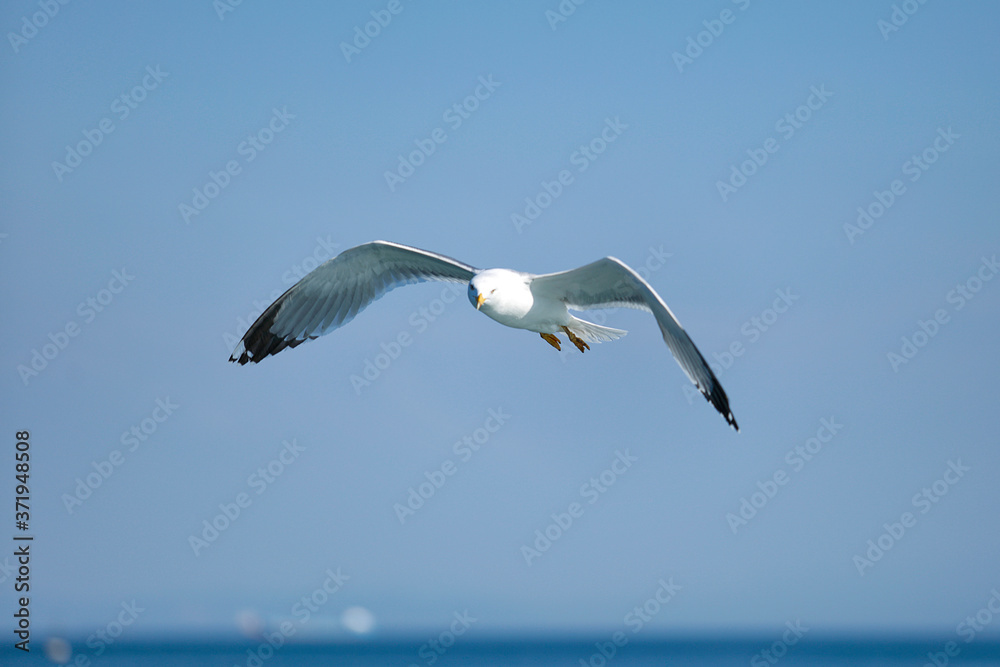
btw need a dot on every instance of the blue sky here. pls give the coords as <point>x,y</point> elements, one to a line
<point>280,138</point>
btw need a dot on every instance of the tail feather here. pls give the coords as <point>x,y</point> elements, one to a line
<point>594,333</point>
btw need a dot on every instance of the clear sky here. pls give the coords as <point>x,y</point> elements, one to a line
<point>811,187</point>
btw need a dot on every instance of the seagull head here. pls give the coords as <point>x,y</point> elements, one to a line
<point>479,292</point>
<point>492,289</point>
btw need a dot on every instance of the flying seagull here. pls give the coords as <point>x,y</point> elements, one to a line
<point>333,293</point>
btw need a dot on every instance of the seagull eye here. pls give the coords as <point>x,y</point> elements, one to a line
<point>493,290</point>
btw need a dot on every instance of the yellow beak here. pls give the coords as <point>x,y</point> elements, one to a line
<point>479,301</point>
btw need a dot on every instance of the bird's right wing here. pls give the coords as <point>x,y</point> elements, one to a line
<point>337,290</point>
<point>610,283</point>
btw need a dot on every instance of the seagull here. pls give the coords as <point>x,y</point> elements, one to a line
<point>336,291</point>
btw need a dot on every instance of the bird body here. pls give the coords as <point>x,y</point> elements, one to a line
<point>519,307</point>
<point>336,291</point>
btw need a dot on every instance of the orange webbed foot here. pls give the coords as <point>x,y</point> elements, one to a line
<point>551,340</point>
<point>580,343</point>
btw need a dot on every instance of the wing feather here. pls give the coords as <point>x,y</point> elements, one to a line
<point>610,283</point>
<point>335,292</point>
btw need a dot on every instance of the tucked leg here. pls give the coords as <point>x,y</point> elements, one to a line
<point>576,340</point>
<point>551,340</point>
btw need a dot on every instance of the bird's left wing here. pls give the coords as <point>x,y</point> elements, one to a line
<point>610,283</point>
<point>337,290</point>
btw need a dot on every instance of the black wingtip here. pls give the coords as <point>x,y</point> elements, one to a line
<point>717,397</point>
<point>261,346</point>
<point>259,343</point>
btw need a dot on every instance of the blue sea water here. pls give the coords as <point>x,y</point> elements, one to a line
<point>537,652</point>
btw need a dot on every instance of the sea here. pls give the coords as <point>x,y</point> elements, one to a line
<point>534,652</point>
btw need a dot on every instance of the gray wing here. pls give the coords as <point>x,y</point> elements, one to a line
<point>337,290</point>
<point>610,283</point>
